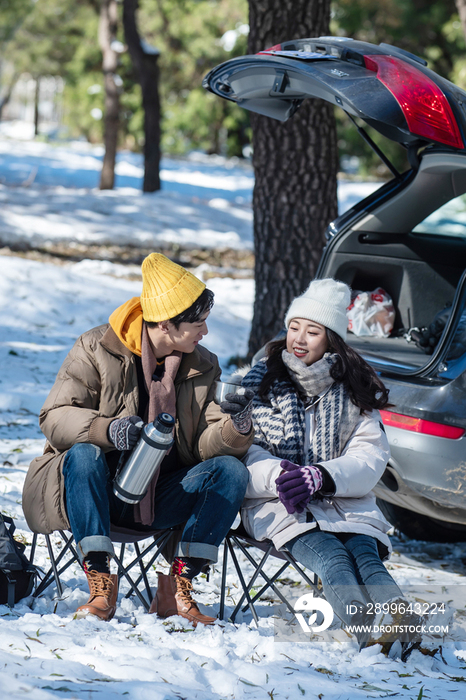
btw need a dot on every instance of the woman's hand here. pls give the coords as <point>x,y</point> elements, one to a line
<point>297,484</point>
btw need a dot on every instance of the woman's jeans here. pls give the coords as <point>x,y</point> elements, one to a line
<point>205,498</point>
<point>349,567</point>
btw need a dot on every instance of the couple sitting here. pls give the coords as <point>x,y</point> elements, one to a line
<point>307,431</point>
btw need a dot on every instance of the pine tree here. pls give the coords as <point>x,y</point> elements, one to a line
<point>295,165</point>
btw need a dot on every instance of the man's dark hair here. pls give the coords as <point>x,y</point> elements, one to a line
<point>194,313</point>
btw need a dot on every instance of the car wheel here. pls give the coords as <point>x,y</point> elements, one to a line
<point>422,527</point>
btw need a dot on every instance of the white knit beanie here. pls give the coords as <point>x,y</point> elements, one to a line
<point>325,302</point>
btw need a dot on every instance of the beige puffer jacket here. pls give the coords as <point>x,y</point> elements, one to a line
<point>98,382</point>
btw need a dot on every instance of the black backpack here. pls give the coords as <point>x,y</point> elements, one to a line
<point>17,574</point>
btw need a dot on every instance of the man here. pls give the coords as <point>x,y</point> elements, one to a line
<point>145,361</point>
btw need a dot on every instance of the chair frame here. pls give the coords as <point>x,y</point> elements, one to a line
<point>244,543</point>
<point>160,539</point>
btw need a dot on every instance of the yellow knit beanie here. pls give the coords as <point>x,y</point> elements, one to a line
<point>167,288</point>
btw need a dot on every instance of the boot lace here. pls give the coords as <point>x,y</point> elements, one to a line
<point>100,584</point>
<point>184,587</point>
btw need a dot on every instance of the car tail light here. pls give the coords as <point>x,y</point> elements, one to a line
<point>277,47</point>
<point>424,105</point>
<point>419,425</point>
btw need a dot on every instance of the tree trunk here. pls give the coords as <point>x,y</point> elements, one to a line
<point>5,98</point>
<point>107,35</point>
<point>36,107</point>
<point>145,63</point>
<point>295,166</point>
<point>461,7</point>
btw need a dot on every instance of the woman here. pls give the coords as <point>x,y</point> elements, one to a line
<point>319,450</point>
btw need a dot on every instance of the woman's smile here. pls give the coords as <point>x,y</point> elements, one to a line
<point>300,352</point>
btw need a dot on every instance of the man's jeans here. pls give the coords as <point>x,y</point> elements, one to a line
<point>205,498</point>
<point>349,567</point>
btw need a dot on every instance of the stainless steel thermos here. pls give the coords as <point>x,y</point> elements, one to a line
<point>132,480</point>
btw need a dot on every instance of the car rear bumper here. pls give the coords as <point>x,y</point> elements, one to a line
<point>426,474</point>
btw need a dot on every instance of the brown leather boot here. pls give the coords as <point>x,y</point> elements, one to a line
<point>173,597</point>
<point>104,593</point>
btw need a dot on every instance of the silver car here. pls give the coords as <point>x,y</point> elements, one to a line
<point>408,237</point>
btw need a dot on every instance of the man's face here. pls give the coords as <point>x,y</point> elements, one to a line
<point>188,335</point>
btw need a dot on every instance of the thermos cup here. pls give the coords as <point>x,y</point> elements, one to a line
<point>132,480</point>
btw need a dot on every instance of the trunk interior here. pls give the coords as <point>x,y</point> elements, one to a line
<point>420,271</point>
<point>416,272</point>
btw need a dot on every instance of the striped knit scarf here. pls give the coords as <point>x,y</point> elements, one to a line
<point>279,421</point>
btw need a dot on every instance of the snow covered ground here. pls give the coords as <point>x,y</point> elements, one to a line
<point>51,197</point>
<point>48,193</point>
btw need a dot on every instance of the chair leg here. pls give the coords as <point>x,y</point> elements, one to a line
<point>122,572</point>
<point>33,548</point>
<point>245,588</point>
<point>221,612</point>
<point>269,581</point>
<point>160,542</point>
<point>258,568</point>
<point>54,567</point>
<point>267,585</point>
<point>311,582</point>
<point>291,561</point>
<point>54,571</point>
<point>143,571</point>
<point>69,543</point>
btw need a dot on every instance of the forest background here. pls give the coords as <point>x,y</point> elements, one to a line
<point>60,38</point>
<point>131,77</point>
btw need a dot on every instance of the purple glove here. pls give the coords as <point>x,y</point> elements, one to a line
<point>124,432</point>
<point>297,485</point>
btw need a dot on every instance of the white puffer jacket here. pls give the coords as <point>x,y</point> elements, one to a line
<point>351,509</point>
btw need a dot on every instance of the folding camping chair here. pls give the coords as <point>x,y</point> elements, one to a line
<point>68,555</point>
<point>244,543</point>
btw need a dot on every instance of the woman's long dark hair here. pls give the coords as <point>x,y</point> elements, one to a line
<point>365,388</point>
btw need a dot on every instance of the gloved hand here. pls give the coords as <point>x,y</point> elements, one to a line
<point>427,339</point>
<point>297,484</point>
<point>239,407</point>
<point>124,432</point>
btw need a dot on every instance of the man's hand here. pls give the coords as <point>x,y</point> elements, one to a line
<point>124,432</point>
<point>239,407</point>
<point>297,484</point>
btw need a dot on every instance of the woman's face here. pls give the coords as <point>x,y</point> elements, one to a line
<point>307,340</point>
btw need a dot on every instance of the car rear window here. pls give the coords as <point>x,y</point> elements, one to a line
<point>449,220</point>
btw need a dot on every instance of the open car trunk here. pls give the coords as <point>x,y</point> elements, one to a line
<point>413,244</point>
<point>409,237</point>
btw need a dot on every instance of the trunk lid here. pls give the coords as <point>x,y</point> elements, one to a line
<point>391,90</point>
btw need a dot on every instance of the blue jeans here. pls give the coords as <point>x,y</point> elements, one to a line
<point>349,567</point>
<point>205,498</point>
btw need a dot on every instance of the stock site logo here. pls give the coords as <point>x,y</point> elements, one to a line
<point>307,603</point>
